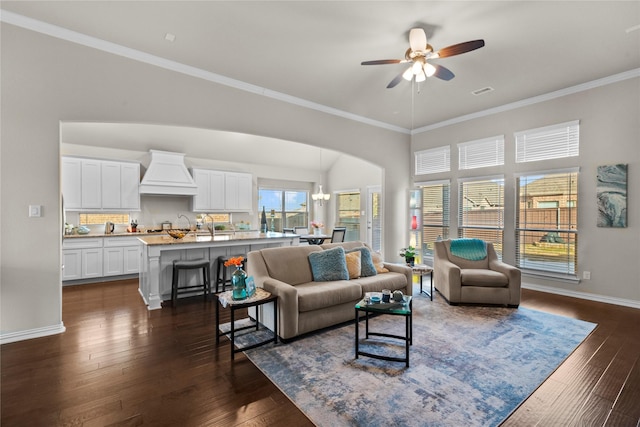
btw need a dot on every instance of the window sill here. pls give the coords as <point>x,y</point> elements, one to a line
<point>550,276</point>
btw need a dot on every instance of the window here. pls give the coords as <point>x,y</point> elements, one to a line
<point>289,207</point>
<point>348,204</point>
<point>433,160</point>
<point>101,218</point>
<point>435,215</point>
<point>481,153</point>
<point>481,210</point>
<point>546,222</point>
<point>550,142</point>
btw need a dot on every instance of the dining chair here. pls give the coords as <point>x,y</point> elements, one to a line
<point>301,230</point>
<point>338,234</point>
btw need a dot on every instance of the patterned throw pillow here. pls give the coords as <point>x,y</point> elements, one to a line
<point>368,269</point>
<point>378,262</point>
<point>329,265</point>
<point>353,264</point>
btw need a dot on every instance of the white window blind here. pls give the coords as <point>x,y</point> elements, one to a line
<point>435,214</point>
<point>481,153</point>
<point>481,210</point>
<point>546,222</point>
<point>550,142</point>
<point>433,160</point>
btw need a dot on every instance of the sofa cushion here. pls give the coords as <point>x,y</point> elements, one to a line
<point>378,262</point>
<point>353,264</point>
<point>368,269</point>
<point>482,277</point>
<point>318,295</point>
<point>289,264</point>
<point>329,265</point>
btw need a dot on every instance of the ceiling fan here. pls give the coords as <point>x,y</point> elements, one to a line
<point>419,54</point>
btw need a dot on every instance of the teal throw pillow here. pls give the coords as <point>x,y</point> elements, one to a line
<point>366,261</point>
<point>329,265</point>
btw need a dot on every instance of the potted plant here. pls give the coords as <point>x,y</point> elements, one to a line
<point>409,255</point>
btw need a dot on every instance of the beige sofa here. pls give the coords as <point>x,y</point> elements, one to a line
<point>305,305</point>
<point>486,281</point>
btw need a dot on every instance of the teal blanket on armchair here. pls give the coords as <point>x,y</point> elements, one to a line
<point>471,249</point>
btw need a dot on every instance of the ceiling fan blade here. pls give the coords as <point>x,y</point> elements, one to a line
<point>383,61</point>
<point>443,73</point>
<point>395,81</point>
<point>459,48</point>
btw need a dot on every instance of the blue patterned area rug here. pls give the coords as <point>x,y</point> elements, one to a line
<point>470,366</point>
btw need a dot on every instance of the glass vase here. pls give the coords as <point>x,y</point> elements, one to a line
<point>239,284</point>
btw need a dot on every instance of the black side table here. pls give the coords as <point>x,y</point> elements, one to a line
<point>403,308</point>
<point>260,297</point>
<point>422,270</point>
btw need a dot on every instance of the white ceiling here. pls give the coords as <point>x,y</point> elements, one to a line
<point>312,49</point>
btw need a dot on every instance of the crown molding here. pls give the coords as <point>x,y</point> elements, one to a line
<point>116,49</point>
<point>137,55</point>
<point>534,100</point>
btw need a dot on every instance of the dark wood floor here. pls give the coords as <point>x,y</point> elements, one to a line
<point>121,365</point>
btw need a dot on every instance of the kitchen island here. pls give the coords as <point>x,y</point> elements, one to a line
<point>159,251</point>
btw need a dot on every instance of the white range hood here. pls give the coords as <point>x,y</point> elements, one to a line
<point>167,175</point>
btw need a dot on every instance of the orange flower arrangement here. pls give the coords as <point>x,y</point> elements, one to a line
<point>235,261</point>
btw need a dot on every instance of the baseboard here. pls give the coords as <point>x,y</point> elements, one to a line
<point>583,295</point>
<point>32,333</point>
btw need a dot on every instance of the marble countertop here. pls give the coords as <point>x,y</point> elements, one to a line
<point>123,234</point>
<point>165,239</point>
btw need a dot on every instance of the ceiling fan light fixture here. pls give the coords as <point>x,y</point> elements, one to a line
<point>417,39</point>
<point>429,69</point>
<point>408,75</point>
<point>420,77</point>
<point>416,68</point>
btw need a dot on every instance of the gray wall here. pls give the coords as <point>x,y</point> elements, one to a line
<point>46,81</point>
<point>609,134</point>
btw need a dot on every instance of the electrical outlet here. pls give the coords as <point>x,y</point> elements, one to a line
<point>586,275</point>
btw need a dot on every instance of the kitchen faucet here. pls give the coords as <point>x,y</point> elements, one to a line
<point>212,228</point>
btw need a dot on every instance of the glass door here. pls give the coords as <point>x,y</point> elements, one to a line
<point>374,217</point>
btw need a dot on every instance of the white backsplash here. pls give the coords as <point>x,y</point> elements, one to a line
<point>154,210</point>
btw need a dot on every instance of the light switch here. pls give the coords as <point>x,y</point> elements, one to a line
<point>35,211</point>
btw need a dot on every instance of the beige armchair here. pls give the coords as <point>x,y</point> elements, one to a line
<point>485,281</point>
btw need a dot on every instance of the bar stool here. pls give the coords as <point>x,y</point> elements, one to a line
<point>190,265</point>
<point>221,270</point>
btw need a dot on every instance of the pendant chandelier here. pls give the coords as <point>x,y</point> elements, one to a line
<point>320,195</point>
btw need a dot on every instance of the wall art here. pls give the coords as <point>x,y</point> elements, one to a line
<point>611,191</point>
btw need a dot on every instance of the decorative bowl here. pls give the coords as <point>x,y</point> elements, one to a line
<point>177,234</point>
<point>375,299</point>
<point>83,230</point>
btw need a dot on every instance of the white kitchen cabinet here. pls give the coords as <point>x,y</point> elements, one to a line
<point>121,256</point>
<point>71,175</point>
<point>82,258</point>
<point>113,262</point>
<point>91,263</point>
<point>120,186</point>
<point>89,184</point>
<point>131,259</point>
<point>220,191</point>
<point>238,192</point>
<point>110,185</point>
<point>72,264</point>
<point>130,186</point>
<point>217,190</point>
